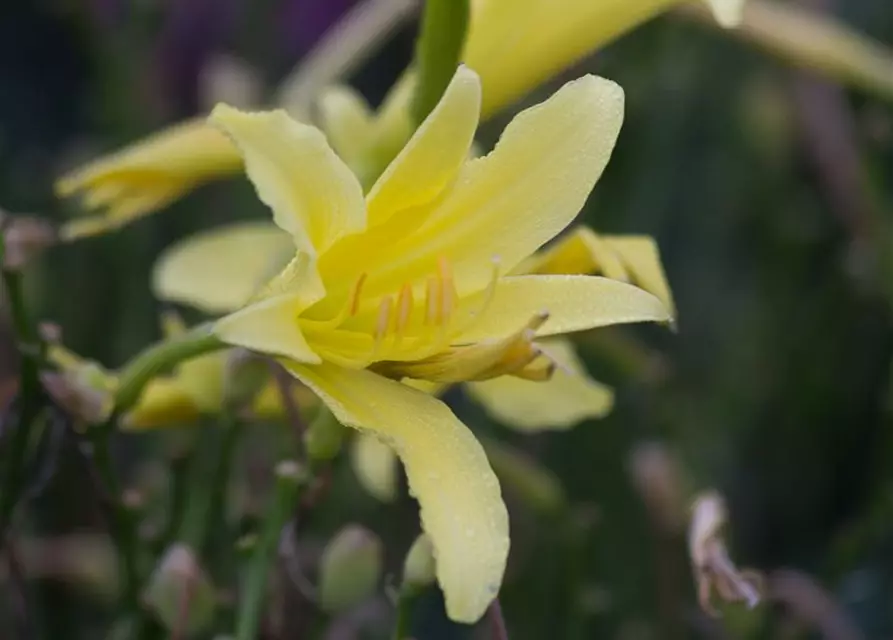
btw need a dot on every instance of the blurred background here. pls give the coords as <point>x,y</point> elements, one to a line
<point>769,191</point>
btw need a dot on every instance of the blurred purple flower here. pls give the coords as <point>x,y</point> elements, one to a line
<point>305,21</point>
<point>193,32</point>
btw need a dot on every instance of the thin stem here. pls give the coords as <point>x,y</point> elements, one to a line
<point>159,357</point>
<point>438,48</point>
<point>210,483</point>
<point>290,479</point>
<point>404,612</point>
<point>122,524</point>
<point>29,397</point>
<point>498,630</point>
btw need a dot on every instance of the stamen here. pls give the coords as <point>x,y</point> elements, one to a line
<point>432,301</point>
<point>354,300</point>
<point>404,309</point>
<point>447,290</point>
<point>385,309</point>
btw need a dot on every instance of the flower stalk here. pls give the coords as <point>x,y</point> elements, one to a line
<point>290,479</point>
<point>438,50</point>
<point>30,394</point>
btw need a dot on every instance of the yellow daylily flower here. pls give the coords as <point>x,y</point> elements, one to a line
<point>151,173</point>
<point>147,176</point>
<point>414,278</point>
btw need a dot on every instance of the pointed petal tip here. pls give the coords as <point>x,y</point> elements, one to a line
<point>728,13</point>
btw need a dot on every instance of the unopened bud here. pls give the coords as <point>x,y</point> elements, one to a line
<point>535,485</point>
<point>245,374</point>
<point>82,393</point>
<point>26,238</point>
<point>180,593</point>
<point>324,436</point>
<point>350,568</point>
<point>419,569</point>
<point>656,475</point>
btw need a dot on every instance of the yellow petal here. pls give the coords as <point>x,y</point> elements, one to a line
<point>510,202</point>
<point>633,259</point>
<point>432,158</point>
<point>574,303</point>
<point>269,326</point>
<point>202,379</point>
<point>219,270</point>
<point>641,257</point>
<point>375,465</point>
<point>515,46</point>
<point>312,193</point>
<point>569,397</point>
<point>579,252</point>
<point>728,13</point>
<point>164,402</point>
<point>461,505</point>
<point>147,175</point>
<point>347,122</point>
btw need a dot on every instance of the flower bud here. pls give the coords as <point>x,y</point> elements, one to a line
<point>245,374</point>
<point>323,437</point>
<point>350,568</point>
<point>419,567</point>
<point>180,593</point>
<point>81,393</point>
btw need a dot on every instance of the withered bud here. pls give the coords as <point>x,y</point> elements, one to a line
<point>712,566</point>
<point>25,238</point>
<point>180,593</point>
<point>82,400</point>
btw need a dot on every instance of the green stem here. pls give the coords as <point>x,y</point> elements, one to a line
<point>210,485</point>
<point>159,357</point>
<point>30,395</point>
<point>290,479</point>
<point>438,49</point>
<point>123,525</point>
<point>404,610</point>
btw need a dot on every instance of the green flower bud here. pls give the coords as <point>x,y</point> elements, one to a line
<point>324,436</point>
<point>350,568</point>
<point>419,567</point>
<point>245,374</point>
<point>180,593</point>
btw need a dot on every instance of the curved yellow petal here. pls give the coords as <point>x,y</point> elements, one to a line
<point>202,379</point>
<point>347,122</point>
<point>507,204</point>
<point>641,257</point>
<point>574,303</point>
<point>578,252</point>
<point>375,465</point>
<point>559,403</point>
<point>633,259</point>
<point>728,13</point>
<point>432,158</point>
<point>461,505</point>
<point>164,402</point>
<point>515,46</point>
<point>312,193</point>
<point>219,270</point>
<point>269,326</point>
<point>148,174</point>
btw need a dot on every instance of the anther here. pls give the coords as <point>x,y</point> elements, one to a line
<point>385,310</point>
<point>404,309</point>
<point>447,291</point>
<point>432,301</point>
<point>354,301</point>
